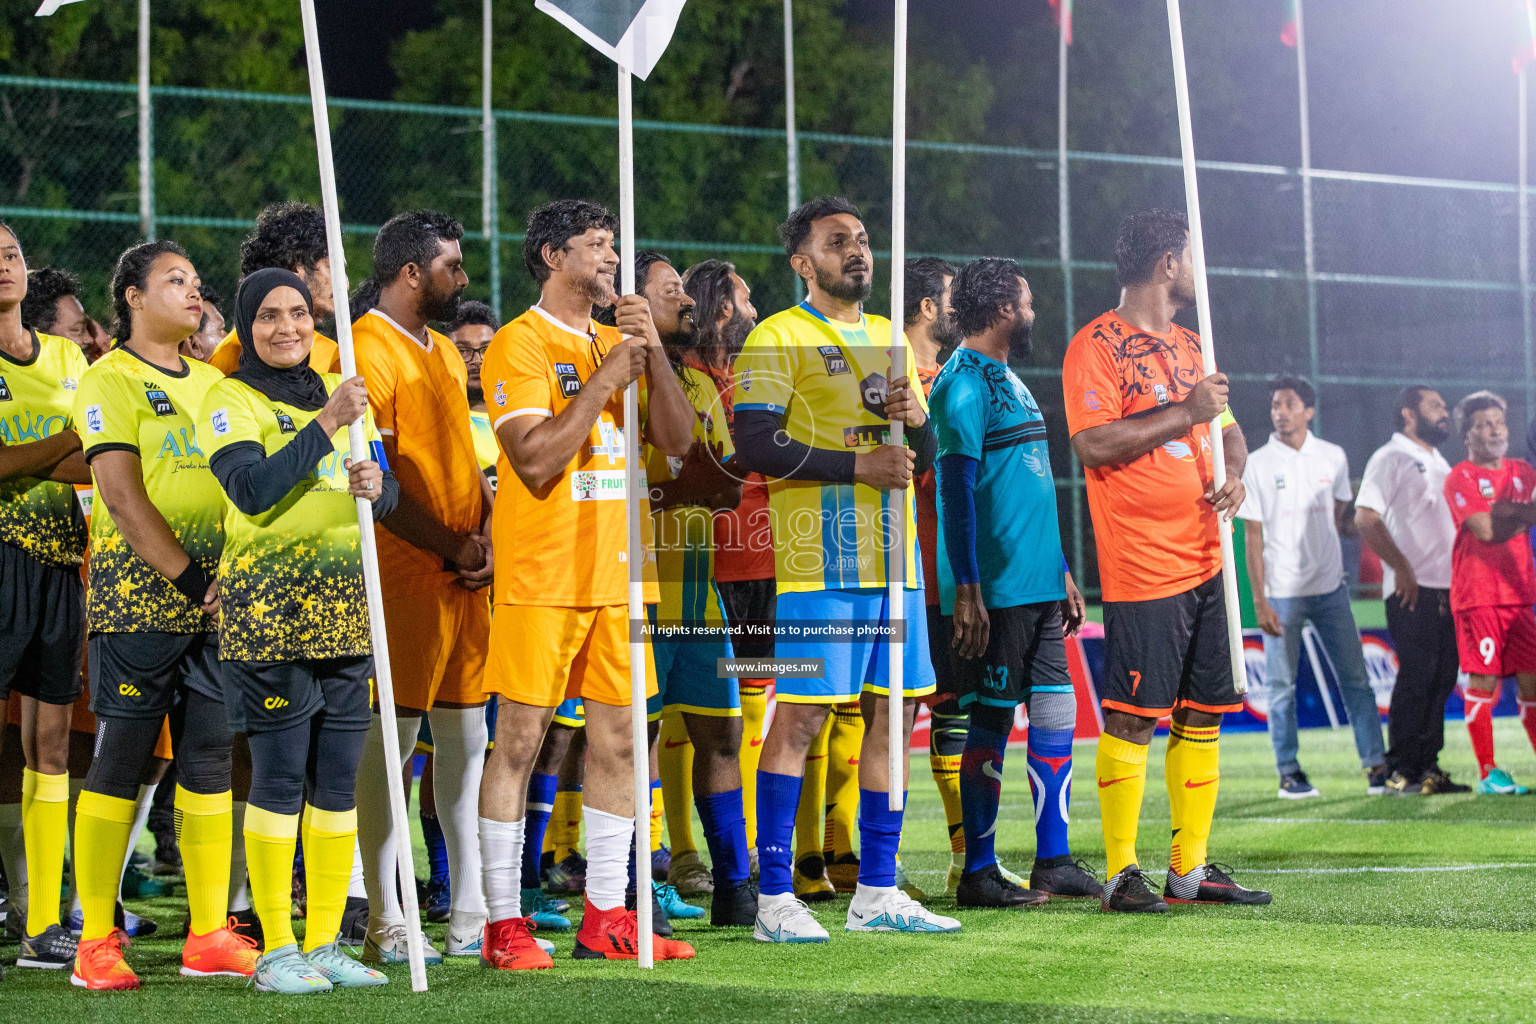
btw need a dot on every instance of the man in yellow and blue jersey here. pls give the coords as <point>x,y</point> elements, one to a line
<point>814,407</point>
<point>690,637</point>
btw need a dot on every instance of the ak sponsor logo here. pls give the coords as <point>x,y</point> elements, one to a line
<point>568,379</point>
<point>837,362</point>
<point>220,420</point>
<point>500,395</point>
<point>159,401</point>
<point>273,703</point>
<point>94,424</point>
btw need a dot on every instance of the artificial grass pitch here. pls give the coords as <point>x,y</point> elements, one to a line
<point>1387,909</point>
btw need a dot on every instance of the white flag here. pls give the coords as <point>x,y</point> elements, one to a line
<point>631,33</point>
<point>49,6</point>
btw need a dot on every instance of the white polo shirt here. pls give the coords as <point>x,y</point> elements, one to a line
<point>1291,492</point>
<point>1404,483</point>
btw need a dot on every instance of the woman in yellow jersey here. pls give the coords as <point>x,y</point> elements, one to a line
<point>42,598</point>
<point>294,636</point>
<point>151,608</point>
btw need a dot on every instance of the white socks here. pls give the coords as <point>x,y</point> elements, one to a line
<point>458,747</point>
<point>356,887</point>
<point>239,894</point>
<point>608,840</point>
<point>380,872</point>
<point>13,851</point>
<point>501,859</point>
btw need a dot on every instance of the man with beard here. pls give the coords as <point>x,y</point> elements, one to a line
<point>1139,409</point>
<point>290,236</point>
<point>1403,515</point>
<point>1298,489</point>
<point>435,563</point>
<point>722,317</point>
<point>210,330</point>
<point>1008,600</point>
<point>684,494</point>
<point>555,382</point>
<point>813,414</point>
<point>1493,583</point>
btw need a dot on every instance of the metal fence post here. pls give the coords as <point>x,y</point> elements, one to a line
<point>1523,206</point>
<point>1308,235</point>
<point>146,131</point>
<point>488,174</point>
<point>791,142</point>
<point>1064,230</point>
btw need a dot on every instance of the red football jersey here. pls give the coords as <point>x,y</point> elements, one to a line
<point>1481,573</point>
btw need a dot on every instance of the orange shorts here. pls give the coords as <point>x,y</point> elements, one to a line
<point>540,656</point>
<point>437,645</point>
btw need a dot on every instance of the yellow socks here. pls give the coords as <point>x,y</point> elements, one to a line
<point>269,841</point>
<point>1122,775</point>
<point>45,825</point>
<point>1193,775</point>
<point>674,759</point>
<point>812,790</point>
<point>102,825</point>
<point>754,709</point>
<point>658,812</point>
<point>946,775</point>
<point>843,779</point>
<point>204,823</point>
<point>328,840</point>
<point>564,830</point>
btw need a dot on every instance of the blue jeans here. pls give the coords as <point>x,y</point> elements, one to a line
<point>1330,615</point>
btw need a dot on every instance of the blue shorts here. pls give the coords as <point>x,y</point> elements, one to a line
<point>571,713</point>
<point>859,665</point>
<point>687,677</point>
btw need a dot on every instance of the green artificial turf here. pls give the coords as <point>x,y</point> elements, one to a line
<point>1372,922</point>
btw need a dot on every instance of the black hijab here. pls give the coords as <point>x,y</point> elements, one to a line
<point>298,386</point>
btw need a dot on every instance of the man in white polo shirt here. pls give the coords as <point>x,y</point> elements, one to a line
<point>1402,515</point>
<point>1298,489</point>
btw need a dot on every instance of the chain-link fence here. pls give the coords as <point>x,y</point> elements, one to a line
<point>1416,280</point>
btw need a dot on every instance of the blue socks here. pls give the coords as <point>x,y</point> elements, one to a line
<point>981,786</point>
<point>879,838</point>
<point>725,832</point>
<point>437,848</point>
<point>778,799</point>
<point>541,804</point>
<point>1050,780</point>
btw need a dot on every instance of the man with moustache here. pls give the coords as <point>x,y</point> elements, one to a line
<point>434,560</point>
<point>1403,515</point>
<point>813,414</point>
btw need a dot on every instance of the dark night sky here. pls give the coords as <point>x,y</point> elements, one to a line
<point>1419,87</point>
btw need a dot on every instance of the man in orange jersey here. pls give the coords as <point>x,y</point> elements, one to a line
<point>1139,407</point>
<point>289,236</point>
<point>435,563</point>
<point>554,382</point>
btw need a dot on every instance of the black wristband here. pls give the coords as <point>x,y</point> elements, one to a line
<point>193,582</point>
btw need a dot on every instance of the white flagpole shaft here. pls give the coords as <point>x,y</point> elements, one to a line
<point>896,559</point>
<point>1207,340</point>
<point>146,146</point>
<point>791,143</point>
<point>383,682</point>
<point>634,550</point>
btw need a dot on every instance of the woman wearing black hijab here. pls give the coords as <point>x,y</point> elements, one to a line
<point>294,636</point>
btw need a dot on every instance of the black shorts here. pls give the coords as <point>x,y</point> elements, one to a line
<point>267,696</point>
<point>942,655</point>
<point>1026,649</point>
<point>140,675</point>
<point>42,628</point>
<point>750,605</point>
<point>1169,653</point>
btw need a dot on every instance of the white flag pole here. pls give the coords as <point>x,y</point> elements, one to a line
<point>634,548</point>
<point>1207,341</point>
<point>383,682</point>
<point>896,557</point>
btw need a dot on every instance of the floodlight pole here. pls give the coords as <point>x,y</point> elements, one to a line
<point>146,132</point>
<point>1207,342</point>
<point>1308,232</point>
<point>1523,205</point>
<point>1064,235</point>
<point>896,556</point>
<point>488,213</point>
<point>384,689</point>
<point>791,142</point>
<point>634,546</point>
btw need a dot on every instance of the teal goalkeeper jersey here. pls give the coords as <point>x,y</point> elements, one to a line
<point>982,409</point>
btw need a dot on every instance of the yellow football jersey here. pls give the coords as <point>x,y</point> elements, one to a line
<point>685,534</point>
<point>827,380</point>
<point>127,404</point>
<point>487,450</point>
<point>37,400</point>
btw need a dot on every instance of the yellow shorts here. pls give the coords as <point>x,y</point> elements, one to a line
<point>540,656</point>
<point>437,645</point>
